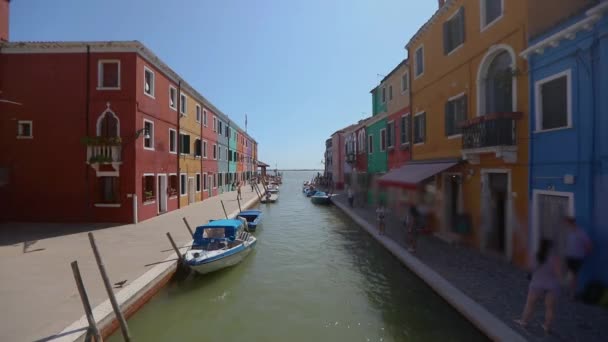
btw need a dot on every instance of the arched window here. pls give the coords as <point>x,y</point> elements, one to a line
<point>108,124</point>
<point>496,86</point>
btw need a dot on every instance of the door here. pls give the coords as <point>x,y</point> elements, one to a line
<point>191,190</point>
<point>551,210</point>
<point>162,193</point>
<point>209,185</point>
<point>498,214</point>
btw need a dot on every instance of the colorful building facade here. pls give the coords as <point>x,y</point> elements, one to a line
<point>568,68</point>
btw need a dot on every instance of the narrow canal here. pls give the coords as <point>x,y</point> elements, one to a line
<point>314,276</point>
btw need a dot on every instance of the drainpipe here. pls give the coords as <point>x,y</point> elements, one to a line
<point>86,129</point>
<point>179,143</point>
<point>531,109</point>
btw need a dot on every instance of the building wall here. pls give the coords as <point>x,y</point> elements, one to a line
<point>378,106</point>
<point>4,20</point>
<point>222,162</point>
<point>189,163</point>
<point>401,99</point>
<point>377,160</point>
<point>240,161</point>
<point>398,106</point>
<point>338,159</point>
<point>545,14</point>
<point>400,153</point>
<point>232,147</point>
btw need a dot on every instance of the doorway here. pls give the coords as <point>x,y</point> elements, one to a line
<point>496,212</point>
<point>549,208</point>
<point>162,194</point>
<point>452,193</point>
<point>191,190</point>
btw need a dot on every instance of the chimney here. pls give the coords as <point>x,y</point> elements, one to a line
<point>441,2</point>
<point>4,9</point>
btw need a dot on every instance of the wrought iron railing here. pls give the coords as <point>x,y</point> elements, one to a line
<point>490,130</point>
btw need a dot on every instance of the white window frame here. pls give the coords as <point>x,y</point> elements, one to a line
<point>536,217</point>
<point>388,124</point>
<point>175,143</point>
<point>151,136</point>
<point>205,182</point>
<point>180,138</point>
<point>214,152</point>
<point>183,177</point>
<point>456,48</point>
<point>370,144</point>
<point>482,73</point>
<point>169,184</point>
<point>380,137</point>
<point>155,192</point>
<point>409,134</point>
<point>28,122</point>
<point>204,147</point>
<point>199,182</point>
<point>100,73</point>
<point>199,113</point>
<point>456,97</point>
<point>174,107</point>
<point>153,85</point>
<point>416,75</point>
<point>539,105</point>
<point>414,129</point>
<point>183,104</point>
<point>204,117</point>
<point>482,15</point>
<point>407,82</point>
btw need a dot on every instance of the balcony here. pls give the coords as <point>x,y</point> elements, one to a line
<point>104,155</point>
<point>492,133</point>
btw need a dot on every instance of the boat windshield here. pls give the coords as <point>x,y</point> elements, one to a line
<point>214,233</point>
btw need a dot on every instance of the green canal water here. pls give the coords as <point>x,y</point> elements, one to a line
<point>314,276</point>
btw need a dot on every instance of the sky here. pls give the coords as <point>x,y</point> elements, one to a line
<point>299,69</point>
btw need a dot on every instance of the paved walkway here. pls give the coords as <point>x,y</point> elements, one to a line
<point>498,286</point>
<point>37,290</point>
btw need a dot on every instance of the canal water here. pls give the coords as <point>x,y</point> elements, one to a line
<point>314,276</point>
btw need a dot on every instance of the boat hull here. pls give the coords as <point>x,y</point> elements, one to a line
<point>320,199</point>
<point>223,262</point>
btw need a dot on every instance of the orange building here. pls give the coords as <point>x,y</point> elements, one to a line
<point>469,100</point>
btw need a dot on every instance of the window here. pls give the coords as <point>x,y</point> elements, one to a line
<point>491,11</point>
<point>172,141</point>
<point>455,113</point>
<point>383,94</point>
<point>497,86</point>
<point>173,185</point>
<point>383,140</point>
<point>205,117</point>
<point>148,135</point>
<point>227,154</point>
<point>390,92</point>
<point>419,61</point>
<point>183,104</point>
<point>220,127</point>
<point>198,182</point>
<point>553,102</point>
<point>198,113</point>
<point>214,151</point>
<point>24,129</point>
<point>419,128</point>
<point>197,147</point>
<point>405,129</point>
<point>172,97</point>
<point>228,132</point>
<point>453,32</point>
<point>214,124</point>
<point>204,149</point>
<point>215,180</point>
<point>230,156</point>
<point>205,185</point>
<point>108,74</point>
<point>370,144</point>
<point>185,143</point>
<point>182,184</point>
<point>405,82</point>
<point>390,134</point>
<point>220,179</point>
<point>148,82</point>
<point>108,190</point>
<point>148,188</point>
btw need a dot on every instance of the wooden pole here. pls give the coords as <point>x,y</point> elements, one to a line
<point>188,226</point>
<point>226,214</point>
<point>106,281</point>
<point>179,254</point>
<point>92,331</point>
<point>239,203</point>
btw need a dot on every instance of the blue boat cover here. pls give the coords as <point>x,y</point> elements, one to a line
<point>250,212</point>
<point>319,194</point>
<point>217,230</point>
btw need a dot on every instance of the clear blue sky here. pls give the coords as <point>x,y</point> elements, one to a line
<point>300,69</point>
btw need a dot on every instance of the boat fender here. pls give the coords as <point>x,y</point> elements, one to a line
<point>196,255</point>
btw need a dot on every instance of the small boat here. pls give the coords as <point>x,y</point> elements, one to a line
<point>253,218</point>
<point>320,197</point>
<point>219,244</point>
<point>270,199</point>
<point>311,192</point>
<point>273,188</point>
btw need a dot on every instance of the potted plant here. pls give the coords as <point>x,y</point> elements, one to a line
<point>148,196</point>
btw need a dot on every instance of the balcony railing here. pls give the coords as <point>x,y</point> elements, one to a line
<point>104,154</point>
<point>490,130</point>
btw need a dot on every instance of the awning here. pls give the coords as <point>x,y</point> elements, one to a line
<point>410,175</point>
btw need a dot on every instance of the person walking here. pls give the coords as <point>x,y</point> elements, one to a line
<point>412,223</point>
<point>239,196</point>
<point>381,217</point>
<point>545,282</point>
<point>351,197</point>
<point>578,246</point>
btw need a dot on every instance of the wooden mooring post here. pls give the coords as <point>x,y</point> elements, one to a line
<point>180,258</point>
<point>92,331</point>
<point>188,226</point>
<point>223,207</point>
<point>239,203</point>
<point>124,329</point>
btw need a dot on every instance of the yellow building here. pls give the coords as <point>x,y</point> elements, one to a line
<point>469,95</point>
<point>189,140</point>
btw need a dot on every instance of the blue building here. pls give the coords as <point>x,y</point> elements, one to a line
<point>568,67</point>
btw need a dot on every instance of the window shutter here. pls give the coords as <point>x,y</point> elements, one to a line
<point>448,119</point>
<point>462,24</point>
<point>446,37</point>
<point>465,109</point>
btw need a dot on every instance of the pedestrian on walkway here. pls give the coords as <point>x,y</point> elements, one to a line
<point>578,246</point>
<point>545,282</point>
<point>381,217</point>
<point>412,224</point>
<point>251,182</point>
<point>239,196</point>
<point>351,197</point>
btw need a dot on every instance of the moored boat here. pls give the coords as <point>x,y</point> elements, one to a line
<point>253,217</point>
<point>219,244</point>
<point>320,197</point>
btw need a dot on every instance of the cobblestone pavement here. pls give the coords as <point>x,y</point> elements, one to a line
<point>497,285</point>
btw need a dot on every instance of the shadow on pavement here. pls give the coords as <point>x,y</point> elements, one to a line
<point>29,233</point>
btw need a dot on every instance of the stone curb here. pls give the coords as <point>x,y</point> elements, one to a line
<point>132,297</point>
<point>491,326</point>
